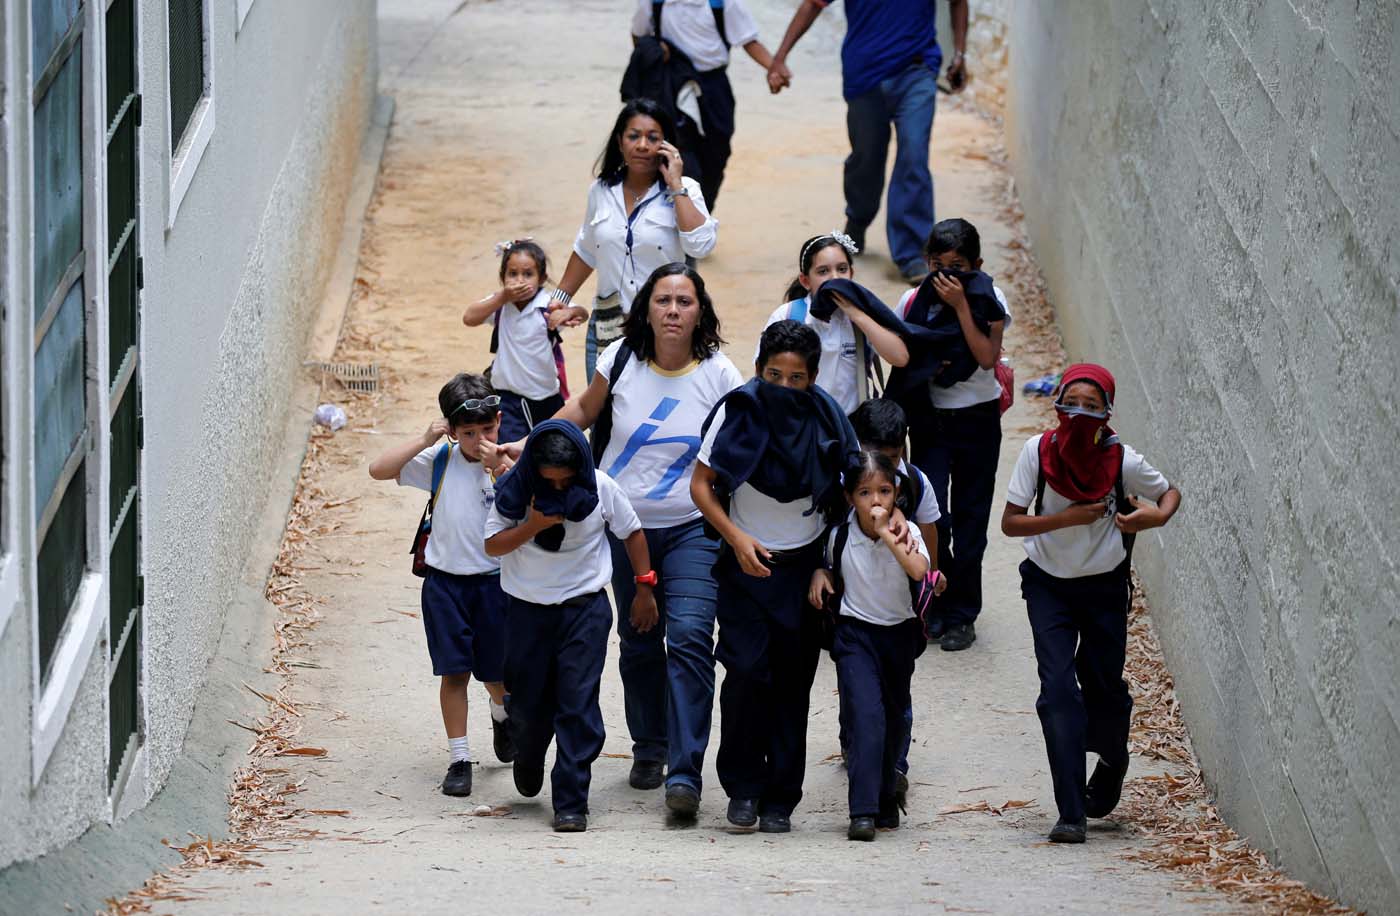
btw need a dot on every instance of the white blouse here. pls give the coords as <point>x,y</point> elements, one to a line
<point>602,239</point>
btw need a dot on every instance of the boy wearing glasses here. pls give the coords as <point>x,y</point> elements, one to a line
<point>463,605</point>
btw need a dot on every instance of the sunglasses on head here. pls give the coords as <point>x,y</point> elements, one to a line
<point>478,403</point>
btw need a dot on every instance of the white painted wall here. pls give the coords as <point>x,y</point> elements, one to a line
<point>232,282</point>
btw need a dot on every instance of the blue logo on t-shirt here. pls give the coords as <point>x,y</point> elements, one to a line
<point>642,438</point>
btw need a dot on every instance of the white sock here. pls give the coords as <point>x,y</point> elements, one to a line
<point>459,748</point>
<point>498,711</point>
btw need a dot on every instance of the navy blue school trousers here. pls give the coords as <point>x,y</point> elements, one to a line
<point>1080,628</point>
<point>554,663</point>
<point>874,665</point>
<point>668,672</point>
<point>769,644</point>
<point>519,414</point>
<point>958,450</point>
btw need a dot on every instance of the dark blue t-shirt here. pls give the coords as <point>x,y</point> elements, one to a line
<point>883,37</point>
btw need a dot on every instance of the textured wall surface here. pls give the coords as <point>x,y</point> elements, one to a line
<point>1211,191</point>
<point>231,290</point>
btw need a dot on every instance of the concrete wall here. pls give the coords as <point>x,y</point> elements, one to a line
<point>233,283</point>
<point>1211,192</point>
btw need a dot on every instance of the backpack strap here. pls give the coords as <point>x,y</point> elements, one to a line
<point>602,427</point>
<point>656,18</point>
<point>797,310</point>
<point>439,473</point>
<point>843,534</point>
<point>717,10</point>
<point>1039,487</point>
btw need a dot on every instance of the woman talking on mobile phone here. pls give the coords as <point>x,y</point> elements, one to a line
<point>642,213</point>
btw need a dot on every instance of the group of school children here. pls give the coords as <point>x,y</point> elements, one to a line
<point>828,538</point>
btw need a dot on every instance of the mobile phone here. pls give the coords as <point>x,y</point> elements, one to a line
<point>663,160</point>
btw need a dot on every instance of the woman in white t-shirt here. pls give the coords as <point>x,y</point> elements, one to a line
<point>672,376</point>
<point>643,212</point>
<point>1078,497</point>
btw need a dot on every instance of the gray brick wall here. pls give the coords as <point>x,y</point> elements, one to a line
<point>1213,192</point>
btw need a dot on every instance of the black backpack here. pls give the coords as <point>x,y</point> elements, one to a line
<point>602,427</point>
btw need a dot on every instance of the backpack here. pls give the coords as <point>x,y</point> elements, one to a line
<point>1120,500</point>
<point>425,524</point>
<point>602,427</point>
<point>920,592</point>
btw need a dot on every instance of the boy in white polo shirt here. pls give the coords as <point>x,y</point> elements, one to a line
<point>775,449</point>
<point>547,525</point>
<point>463,605</point>
<point>1085,487</point>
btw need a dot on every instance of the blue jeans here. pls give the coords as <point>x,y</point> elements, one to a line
<point>907,101</point>
<point>590,352</point>
<point>668,673</point>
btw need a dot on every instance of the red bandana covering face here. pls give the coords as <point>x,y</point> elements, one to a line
<point>1081,457</point>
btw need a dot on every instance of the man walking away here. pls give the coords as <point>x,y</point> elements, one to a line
<point>889,63</point>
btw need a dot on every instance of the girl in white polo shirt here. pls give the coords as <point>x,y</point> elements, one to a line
<point>527,370</point>
<point>1085,487</point>
<point>547,525</point>
<point>877,637</point>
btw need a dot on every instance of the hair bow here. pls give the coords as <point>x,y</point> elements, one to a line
<point>503,247</point>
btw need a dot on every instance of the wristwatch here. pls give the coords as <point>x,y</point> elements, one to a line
<point>647,578</point>
<point>682,191</point>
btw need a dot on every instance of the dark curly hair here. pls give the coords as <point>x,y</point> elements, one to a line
<point>706,340</point>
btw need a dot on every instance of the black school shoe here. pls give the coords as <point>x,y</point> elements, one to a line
<point>682,801</point>
<point>528,779</point>
<point>1104,789</point>
<point>501,741</point>
<point>774,822</point>
<point>570,823</point>
<point>935,628</point>
<point>901,789</point>
<point>743,812</point>
<point>862,828</point>
<point>458,781</point>
<point>647,774</point>
<point>1067,831</point>
<point>888,818</point>
<point>958,637</point>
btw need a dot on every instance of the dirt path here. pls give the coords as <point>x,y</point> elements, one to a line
<point>485,147</point>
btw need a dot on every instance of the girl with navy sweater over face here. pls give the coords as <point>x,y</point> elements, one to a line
<point>1089,494</point>
<point>547,526</point>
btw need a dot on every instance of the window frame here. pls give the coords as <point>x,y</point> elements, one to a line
<point>184,162</point>
<point>87,619</point>
<point>15,306</point>
<point>243,7</point>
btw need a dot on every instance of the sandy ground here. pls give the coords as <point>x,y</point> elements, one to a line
<point>501,108</point>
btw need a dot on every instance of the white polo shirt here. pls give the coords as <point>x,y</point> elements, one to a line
<point>980,387</point>
<point>468,493</point>
<point>602,239</point>
<point>838,371</point>
<point>875,586</point>
<point>583,562</point>
<point>775,525</point>
<point>1084,550</point>
<point>524,356</point>
<point>690,26</point>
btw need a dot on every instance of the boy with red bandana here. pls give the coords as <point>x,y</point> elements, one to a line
<point>1088,496</point>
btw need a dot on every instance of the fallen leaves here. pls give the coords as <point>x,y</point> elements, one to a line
<point>986,807</point>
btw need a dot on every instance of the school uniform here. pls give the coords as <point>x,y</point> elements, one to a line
<point>839,370</point>
<point>463,604</point>
<point>1075,582</point>
<point>925,513</point>
<point>558,622</point>
<point>877,637</point>
<point>769,637</point>
<point>691,27</point>
<point>625,248</point>
<point>668,672</point>
<point>958,447</point>
<point>525,373</point>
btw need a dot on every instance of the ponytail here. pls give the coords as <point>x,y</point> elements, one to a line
<point>795,290</point>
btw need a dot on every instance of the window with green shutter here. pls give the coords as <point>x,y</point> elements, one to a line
<point>186,59</point>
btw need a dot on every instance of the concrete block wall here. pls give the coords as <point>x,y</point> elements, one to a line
<point>1211,190</point>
